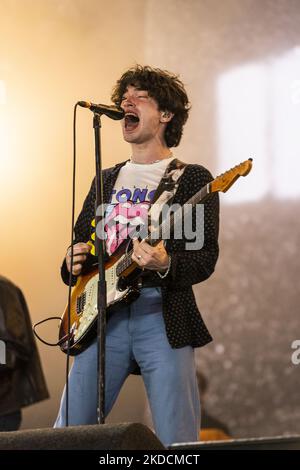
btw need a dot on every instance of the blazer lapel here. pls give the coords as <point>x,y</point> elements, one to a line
<point>110,180</point>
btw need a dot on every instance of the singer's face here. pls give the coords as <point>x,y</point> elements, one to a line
<point>142,122</point>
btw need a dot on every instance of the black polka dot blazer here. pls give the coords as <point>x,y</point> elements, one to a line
<point>183,321</point>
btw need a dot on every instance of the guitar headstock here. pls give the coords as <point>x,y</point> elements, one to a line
<point>224,181</point>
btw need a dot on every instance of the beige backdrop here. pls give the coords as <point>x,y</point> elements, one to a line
<point>240,62</point>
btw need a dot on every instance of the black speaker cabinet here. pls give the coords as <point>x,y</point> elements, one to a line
<point>125,436</point>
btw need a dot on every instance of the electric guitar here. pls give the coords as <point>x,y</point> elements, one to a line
<point>121,274</point>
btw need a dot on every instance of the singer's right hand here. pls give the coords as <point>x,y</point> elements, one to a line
<point>80,251</point>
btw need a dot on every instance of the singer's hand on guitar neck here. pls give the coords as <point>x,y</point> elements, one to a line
<point>80,252</point>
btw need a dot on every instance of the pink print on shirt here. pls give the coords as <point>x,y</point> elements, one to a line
<point>126,215</point>
<point>121,220</point>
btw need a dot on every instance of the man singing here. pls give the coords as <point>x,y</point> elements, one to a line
<point>159,331</point>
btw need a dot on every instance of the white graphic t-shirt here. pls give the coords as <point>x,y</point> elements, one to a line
<point>131,199</point>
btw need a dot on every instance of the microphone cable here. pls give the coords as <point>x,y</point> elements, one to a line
<point>70,277</point>
<point>72,260</point>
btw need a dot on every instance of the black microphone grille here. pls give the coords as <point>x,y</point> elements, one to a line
<point>84,104</point>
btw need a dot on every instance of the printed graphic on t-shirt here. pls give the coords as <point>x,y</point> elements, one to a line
<point>125,215</point>
<point>122,220</point>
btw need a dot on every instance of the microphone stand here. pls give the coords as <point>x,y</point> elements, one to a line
<point>101,292</point>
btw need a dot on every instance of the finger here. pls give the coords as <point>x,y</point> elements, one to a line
<point>138,259</point>
<point>146,248</point>
<point>75,263</point>
<point>77,269</point>
<point>82,245</point>
<point>150,253</point>
<point>143,253</point>
<point>78,261</point>
<point>79,258</point>
<point>78,251</point>
<point>135,243</point>
<point>136,247</point>
<point>81,249</point>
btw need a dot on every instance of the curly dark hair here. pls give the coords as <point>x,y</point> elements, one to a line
<point>167,90</point>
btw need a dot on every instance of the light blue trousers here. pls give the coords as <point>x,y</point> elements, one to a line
<point>137,332</point>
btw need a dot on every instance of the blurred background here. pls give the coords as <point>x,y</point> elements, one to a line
<point>240,62</point>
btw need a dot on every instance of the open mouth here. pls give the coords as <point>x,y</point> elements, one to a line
<point>131,121</point>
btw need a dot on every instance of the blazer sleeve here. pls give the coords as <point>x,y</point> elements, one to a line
<point>188,266</point>
<point>82,230</point>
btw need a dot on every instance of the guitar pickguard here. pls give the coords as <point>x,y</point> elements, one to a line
<point>84,310</point>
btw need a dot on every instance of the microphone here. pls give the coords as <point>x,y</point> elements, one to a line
<point>111,111</point>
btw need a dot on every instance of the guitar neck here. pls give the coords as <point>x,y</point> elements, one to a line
<point>222,183</point>
<point>167,226</point>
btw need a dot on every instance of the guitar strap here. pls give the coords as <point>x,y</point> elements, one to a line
<point>166,189</point>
